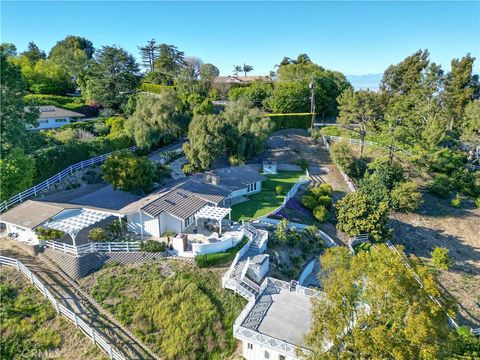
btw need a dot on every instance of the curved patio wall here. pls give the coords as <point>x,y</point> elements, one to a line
<point>220,246</point>
<point>307,270</point>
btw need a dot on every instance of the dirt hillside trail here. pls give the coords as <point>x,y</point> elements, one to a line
<point>67,291</point>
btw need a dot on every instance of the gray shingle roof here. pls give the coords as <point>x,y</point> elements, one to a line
<point>237,177</point>
<point>50,111</point>
<point>205,191</point>
<point>30,214</point>
<point>178,202</point>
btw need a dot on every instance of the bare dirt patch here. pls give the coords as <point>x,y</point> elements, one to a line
<point>436,223</point>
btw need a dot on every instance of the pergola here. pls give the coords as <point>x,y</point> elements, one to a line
<point>213,212</point>
<point>72,221</point>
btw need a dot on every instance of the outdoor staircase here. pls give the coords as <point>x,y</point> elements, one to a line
<point>247,287</point>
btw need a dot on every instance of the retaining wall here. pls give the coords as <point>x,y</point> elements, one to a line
<point>78,267</point>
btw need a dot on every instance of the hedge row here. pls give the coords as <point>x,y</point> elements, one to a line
<point>154,88</point>
<point>70,103</point>
<point>53,159</point>
<point>222,258</point>
<point>290,121</point>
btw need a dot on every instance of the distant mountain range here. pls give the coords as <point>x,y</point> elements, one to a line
<point>367,81</point>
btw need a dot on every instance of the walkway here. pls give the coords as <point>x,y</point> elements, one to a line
<point>77,301</point>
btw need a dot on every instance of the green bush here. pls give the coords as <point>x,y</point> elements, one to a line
<point>343,157</point>
<point>467,182</point>
<point>405,197</point>
<point>326,189</point>
<point>441,259</point>
<point>218,259</point>
<point>154,88</point>
<point>70,103</point>
<point>153,246</point>
<point>477,202</point>
<point>325,201</point>
<point>441,186</point>
<point>290,121</point>
<point>447,161</point>
<point>98,234</point>
<point>321,213</point>
<point>279,189</point>
<point>309,201</point>
<point>456,201</point>
<point>48,234</point>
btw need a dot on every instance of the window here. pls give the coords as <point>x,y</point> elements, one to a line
<point>267,355</point>
<point>255,186</point>
<point>281,357</point>
<point>59,120</point>
<point>249,346</point>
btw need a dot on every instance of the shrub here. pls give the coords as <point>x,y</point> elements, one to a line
<point>321,190</point>
<point>48,234</point>
<point>304,164</point>
<point>447,161</point>
<point>477,202</point>
<point>325,201</point>
<point>279,189</point>
<point>343,157</point>
<point>309,201</point>
<point>405,197</point>
<point>321,213</point>
<point>466,182</point>
<point>441,259</point>
<point>389,173</point>
<point>291,121</point>
<point>97,234</point>
<point>153,246</point>
<point>441,186</point>
<point>456,201</point>
<point>129,172</point>
<point>154,88</point>
<point>222,258</point>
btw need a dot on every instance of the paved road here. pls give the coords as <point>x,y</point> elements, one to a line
<point>73,298</point>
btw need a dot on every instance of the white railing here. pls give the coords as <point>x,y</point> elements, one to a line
<point>237,257</point>
<point>223,244</point>
<point>97,338</point>
<point>94,247</point>
<point>304,179</point>
<point>359,142</point>
<point>307,270</point>
<point>349,182</point>
<point>33,191</point>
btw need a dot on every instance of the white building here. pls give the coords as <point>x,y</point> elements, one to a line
<point>52,117</point>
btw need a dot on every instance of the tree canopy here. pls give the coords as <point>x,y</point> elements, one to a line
<point>374,308</point>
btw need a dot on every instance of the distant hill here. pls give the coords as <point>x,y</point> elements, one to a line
<point>367,81</point>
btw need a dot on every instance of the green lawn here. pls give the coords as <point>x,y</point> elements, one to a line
<point>267,200</point>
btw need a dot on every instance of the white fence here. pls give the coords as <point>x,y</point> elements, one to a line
<point>291,193</point>
<point>349,182</point>
<point>365,142</point>
<point>94,247</point>
<point>93,334</point>
<point>33,191</point>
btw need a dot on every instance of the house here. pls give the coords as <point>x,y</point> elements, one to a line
<point>232,79</point>
<point>174,211</point>
<point>53,117</point>
<point>171,208</point>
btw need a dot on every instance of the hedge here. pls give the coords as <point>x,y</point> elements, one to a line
<point>290,121</point>
<point>154,88</point>
<point>221,258</point>
<point>70,103</point>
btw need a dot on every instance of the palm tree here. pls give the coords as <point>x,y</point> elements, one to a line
<point>247,68</point>
<point>236,69</point>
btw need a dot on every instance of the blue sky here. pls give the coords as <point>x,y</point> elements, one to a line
<point>352,37</point>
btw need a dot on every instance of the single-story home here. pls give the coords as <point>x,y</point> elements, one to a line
<point>232,79</point>
<point>171,208</point>
<point>54,117</point>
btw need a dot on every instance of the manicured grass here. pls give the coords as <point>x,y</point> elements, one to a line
<point>221,258</point>
<point>267,200</point>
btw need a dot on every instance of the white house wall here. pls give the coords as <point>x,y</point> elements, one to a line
<point>258,352</point>
<point>51,123</point>
<point>24,235</point>
<point>243,192</point>
<point>170,223</point>
<point>150,224</point>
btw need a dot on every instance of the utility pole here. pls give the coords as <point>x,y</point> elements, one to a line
<point>312,102</point>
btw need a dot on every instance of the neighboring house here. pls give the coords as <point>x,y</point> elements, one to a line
<point>171,208</point>
<point>232,79</point>
<point>53,117</point>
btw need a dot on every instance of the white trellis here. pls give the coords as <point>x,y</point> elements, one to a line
<point>72,221</point>
<point>214,213</point>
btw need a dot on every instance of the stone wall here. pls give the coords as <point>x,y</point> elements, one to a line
<point>78,267</point>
